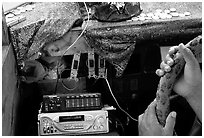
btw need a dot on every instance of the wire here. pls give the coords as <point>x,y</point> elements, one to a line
<point>117,101</point>
<point>63,84</point>
<point>69,89</point>
<point>114,118</point>
<point>71,46</point>
<point>81,32</point>
<point>57,78</point>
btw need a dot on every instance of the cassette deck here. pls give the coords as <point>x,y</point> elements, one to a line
<point>73,123</point>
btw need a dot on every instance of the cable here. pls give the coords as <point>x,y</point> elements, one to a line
<point>81,32</point>
<point>57,79</point>
<point>71,46</point>
<point>63,84</point>
<point>117,122</point>
<point>117,101</point>
<point>69,89</point>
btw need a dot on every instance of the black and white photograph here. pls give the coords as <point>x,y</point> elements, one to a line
<point>104,68</point>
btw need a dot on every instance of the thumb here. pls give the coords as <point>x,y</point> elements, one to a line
<point>188,56</point>
<point>170,123</point>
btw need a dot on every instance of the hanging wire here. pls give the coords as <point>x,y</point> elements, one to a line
<point>117,101</point>
<point>81,32</point>
<point>70,47</point>
<point>64,85</point>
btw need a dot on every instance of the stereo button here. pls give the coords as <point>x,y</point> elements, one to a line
<point>95,127</point>
<point>101,126</point>
<point>51,129</point>
<point>88,118</point>
<point>44,130</point>
<point>101,120</point>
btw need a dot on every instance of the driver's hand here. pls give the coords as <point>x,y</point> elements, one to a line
<point>190,83</point>
<point>149,125</point>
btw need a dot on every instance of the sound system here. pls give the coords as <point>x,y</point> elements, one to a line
<point>72,114</point>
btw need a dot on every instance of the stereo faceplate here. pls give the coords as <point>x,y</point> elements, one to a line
<point>71,102</point>
<point>73,123</point>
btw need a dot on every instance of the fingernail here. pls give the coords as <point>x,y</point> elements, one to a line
<point>170,63</point>
<point>161,73</point>
<point>167,68</point>
<point>157,71</point>
<point>182,46</point>
<point>173,114</point>
<point>171,48</point>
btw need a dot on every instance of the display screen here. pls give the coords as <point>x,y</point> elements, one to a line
<point>102,63</point>
<point>75,66</point>
<point>91,63</point>
<point>71,118</point>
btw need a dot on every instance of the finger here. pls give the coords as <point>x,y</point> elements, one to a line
<point>169,61</point>
<point>170,123</point>
<point>140,118</point>
<point>145,117</point>
<point>141,124</point>
<point>151,113</point>
<point>159,72</point>
<point>165,67</point>
<point>145,114</point>
<point>188,56</point>
<point>173,50</point>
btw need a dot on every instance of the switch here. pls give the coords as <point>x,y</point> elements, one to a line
<point>51,129</point>
<point>44,130</point>
<point>48,129</point>
<point>101,126</point>
<point>95,127</point>
<point>101,120</point>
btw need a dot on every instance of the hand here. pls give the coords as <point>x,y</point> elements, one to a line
<point>149,125</point>
<point>190,83</point>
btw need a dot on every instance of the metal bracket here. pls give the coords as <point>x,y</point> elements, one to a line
<point>102,72</point>
<point>91,64</point>
<point>75,66</point>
